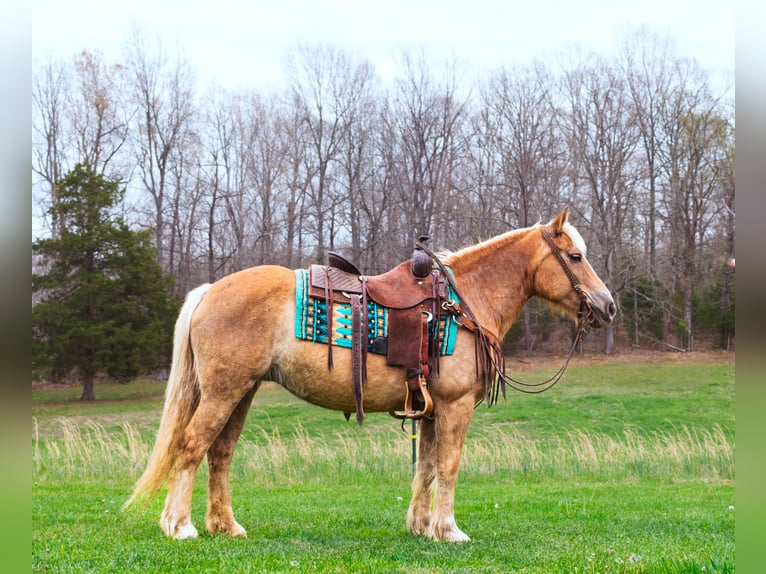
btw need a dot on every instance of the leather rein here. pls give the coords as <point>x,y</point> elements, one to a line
<point>489,353</point>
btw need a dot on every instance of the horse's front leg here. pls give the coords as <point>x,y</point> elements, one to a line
<point>452,420</point>
<point>419,513</point>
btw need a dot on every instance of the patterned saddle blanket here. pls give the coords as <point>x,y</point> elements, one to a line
<point>311,322</point>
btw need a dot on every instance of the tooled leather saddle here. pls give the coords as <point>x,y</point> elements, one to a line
<point>413,292</point>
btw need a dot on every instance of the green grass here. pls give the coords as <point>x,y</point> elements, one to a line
<point>621,468</point>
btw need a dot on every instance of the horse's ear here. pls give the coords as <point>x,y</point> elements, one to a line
<point>559,221</point>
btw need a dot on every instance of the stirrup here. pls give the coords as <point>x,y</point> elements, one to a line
<point>411,414</point>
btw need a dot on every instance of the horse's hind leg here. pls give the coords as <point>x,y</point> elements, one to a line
<point>212,414</point>
<point>419,513</point>
<point>220,516</point>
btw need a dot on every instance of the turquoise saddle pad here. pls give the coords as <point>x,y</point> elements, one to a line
<point>311,320</point>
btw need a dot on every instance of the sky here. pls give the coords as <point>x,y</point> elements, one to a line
<point>242,44</point>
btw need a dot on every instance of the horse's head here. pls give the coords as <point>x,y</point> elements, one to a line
<point>566,279</point>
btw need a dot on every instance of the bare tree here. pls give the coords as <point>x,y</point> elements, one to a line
<point>163,92</point>
<point>485,208</point>
<point>365,200</point>
<point>424,123</point>
<point>527,139</point>
<point>528,148</point>
<point>327,88</point>
<point>300,171</point>
<point>698,141</point>
<point>646,60</point>
<point>50,136</point>
<point>603,135</point>
<point>79,116</point>
<point>227,189</point>
<point>267,166</point>
<point>99,117</point>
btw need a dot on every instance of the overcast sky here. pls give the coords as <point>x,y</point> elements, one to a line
<point>243,43</point>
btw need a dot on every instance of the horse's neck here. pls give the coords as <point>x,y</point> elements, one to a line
<point>495,278</point>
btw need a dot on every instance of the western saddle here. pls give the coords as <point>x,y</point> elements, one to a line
<point>416,296</point>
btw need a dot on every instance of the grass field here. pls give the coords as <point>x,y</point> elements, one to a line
<point>626,466</point>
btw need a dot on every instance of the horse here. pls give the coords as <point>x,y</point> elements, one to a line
<point>237,332</point>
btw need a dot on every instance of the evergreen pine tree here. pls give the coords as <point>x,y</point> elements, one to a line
<point>103,302</point>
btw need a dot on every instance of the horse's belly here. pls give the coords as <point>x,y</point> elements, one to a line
<point>306,374</point>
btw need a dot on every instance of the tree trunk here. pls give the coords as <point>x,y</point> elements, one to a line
<point>636,338</point>
<point>688,342</point>
<point>724,333</point>
<point>528,336</point>
<point>609,339</point>
<point>87,388</point>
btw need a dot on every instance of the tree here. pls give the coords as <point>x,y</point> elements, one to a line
<point>699,143</point>
<point>523,138</point>
<point>164,135</point>
<point>50,136</point>
<point>426,116</point>
<point>98,118</point>
<point>105,305</point>
<point>646,59</point>
<point>329,87</point>
<point>603,139</point>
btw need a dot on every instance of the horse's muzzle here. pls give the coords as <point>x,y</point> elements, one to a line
<point>598,309</point>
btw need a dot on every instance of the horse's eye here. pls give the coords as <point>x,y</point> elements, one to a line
<point>576,257</point>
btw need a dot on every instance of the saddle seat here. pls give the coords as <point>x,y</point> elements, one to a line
<point>412,292</point>
<point>398,288</point>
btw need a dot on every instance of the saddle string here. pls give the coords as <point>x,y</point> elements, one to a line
<point>329,315</point>
<point>489,354</point>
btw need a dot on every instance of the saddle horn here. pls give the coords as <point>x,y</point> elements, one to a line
<point>421,261</point>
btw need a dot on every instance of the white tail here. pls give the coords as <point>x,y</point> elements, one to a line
<point>181,400</point>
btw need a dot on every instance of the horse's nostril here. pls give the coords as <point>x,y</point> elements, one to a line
<point>612,310</point>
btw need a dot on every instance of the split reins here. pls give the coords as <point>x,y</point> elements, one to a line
<point>489,354</point>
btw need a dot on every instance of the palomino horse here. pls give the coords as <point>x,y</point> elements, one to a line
<point>237,332</point>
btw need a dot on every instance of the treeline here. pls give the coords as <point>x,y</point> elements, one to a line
<point>640,145</point>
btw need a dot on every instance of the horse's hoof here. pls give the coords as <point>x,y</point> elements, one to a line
<point>237,531</point>
<point>177,530</point>
<point>456,535</point>
<point>448,532</point>
<point>186,532</point>
<point>419,526</point>
<point>231,528</point>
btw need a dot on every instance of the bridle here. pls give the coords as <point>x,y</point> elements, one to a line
<point>489,353</point>
<point>586,310</point>
<point>585,315</point>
